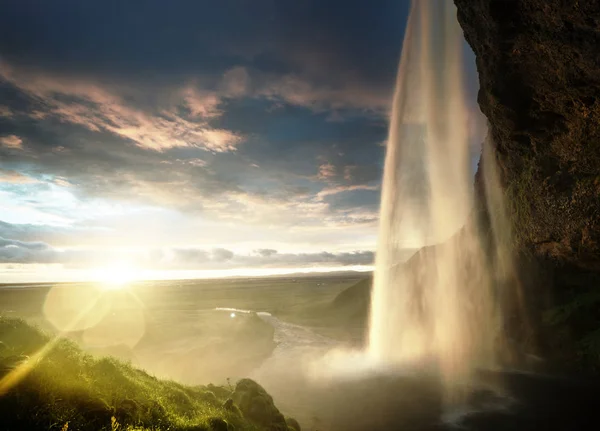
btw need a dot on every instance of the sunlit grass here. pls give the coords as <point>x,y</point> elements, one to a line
<point>68,389</point>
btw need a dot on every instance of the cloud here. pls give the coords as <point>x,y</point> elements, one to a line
<point>14,251</point>
<point>36,252</point>
<point>226,259</point>
<point>203,104</point>
<point>99,108</point>
<point>22,244</point>
<point>236,82</point>
<point>265,252</point>
<point>349,95</point>
<point>336,96</point>
<point>14,177</point>
<point>326,171</point>
<point>222,255</point>
<point>5,111</point>
<point>328,191</point>
<point>11,142</point>
<point>272,130</point>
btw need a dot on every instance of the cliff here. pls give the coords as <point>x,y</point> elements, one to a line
<point>539,70</point>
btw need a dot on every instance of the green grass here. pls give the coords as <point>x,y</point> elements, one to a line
<point>67,389</point>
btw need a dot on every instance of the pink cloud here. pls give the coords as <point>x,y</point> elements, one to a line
<point>236,82</point>
<point>13,177</point>
<point>99,108</point>
<point>327,171</point>
<point>348,172</point>
<point>11,141</point>
<point>61,181</point>
<point>201,104</point>
<point>296,90</point>
<point>351,95</point>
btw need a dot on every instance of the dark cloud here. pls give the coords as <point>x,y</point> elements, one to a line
<point>222,255</point>
<point>151,39</point>
<point>223,259</point>
<point>14,251</point>
<point>45,234</point>
<point>352,198</point>
<point>265,252</point>
<point>191,256</point>
<point>8,243</point>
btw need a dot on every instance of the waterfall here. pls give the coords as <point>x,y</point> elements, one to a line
<point>441,306</point>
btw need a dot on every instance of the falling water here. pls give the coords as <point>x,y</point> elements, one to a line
<point>440,305</point>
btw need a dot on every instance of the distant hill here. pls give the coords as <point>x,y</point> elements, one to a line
<point>354,302</point>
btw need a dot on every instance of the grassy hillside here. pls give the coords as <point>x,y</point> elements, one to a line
<point>343,315</point>
<point>50,384</point>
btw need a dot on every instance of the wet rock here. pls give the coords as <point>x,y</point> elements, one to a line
<point>539,73</point>
<point>538,65</point>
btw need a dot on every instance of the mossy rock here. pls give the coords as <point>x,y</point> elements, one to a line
<point>220,392</point>
<point>230,406</point>
<point>293,424</point>
<point>209,397</point>
<point>257,405</point>
<point>128,411</point>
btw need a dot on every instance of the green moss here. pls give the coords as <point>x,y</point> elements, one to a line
<point>577,320</point>
<point>256,404</point>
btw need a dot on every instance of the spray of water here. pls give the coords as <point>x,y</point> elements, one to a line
<point>440,306</point>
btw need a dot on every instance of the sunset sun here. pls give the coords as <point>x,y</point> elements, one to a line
<point>115,277</point>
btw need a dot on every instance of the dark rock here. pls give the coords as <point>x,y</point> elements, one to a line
<point>230,406</point>
<point>538,64</point>
<point>217,424</point>
<point>539,72</point>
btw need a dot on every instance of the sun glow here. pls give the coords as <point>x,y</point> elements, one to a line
<point>115,277</point>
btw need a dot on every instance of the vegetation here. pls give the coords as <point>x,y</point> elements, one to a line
<point>66,389</point>
<point>575,322</point>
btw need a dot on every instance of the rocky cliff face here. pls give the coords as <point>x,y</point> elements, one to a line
<point>539,71</point>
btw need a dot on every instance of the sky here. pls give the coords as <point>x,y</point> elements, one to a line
<point>194,137</point>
